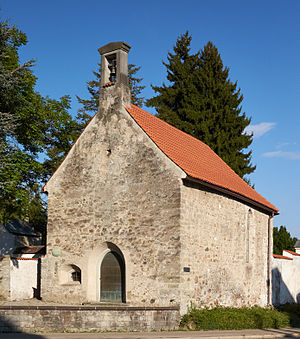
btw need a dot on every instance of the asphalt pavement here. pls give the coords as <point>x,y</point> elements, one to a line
<point>242,334</point>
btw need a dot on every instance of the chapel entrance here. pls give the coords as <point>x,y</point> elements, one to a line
<point>112,278</point>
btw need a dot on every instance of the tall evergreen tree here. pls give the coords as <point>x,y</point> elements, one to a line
<point>282,240</point>
<point>201,100</point>
<point>135,85</point>
<point>90,105</point>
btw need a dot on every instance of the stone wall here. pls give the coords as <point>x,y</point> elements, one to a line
<point>285,278</point>
<point>116,187</point>
<point>5,278</point>
<point>224,244</point>
<point>181,243</point>
<point>59,319</point>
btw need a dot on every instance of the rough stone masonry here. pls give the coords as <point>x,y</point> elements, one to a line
<point>180,242</point>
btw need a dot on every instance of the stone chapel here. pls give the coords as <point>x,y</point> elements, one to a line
<point>141,213</point>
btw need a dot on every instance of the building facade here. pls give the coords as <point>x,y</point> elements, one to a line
<point>143,214</point>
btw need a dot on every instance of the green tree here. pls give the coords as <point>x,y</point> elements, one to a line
<point>282,240</point>
<point>90,105</point>
<point>30,125</point>
<point>202,101</point>
<point>17,167</point>
<point>60,132</point>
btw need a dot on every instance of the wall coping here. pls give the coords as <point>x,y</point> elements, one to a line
<point>89,308</point>
<point>278,256</point>
<point>292,252</point>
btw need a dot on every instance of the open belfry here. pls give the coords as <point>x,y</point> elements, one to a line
<point>142,214</point>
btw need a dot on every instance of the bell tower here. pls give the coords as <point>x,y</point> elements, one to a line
<point>114,84</point>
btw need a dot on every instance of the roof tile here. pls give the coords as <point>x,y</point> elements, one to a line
<point>277,256</point>
<point>194,157</point>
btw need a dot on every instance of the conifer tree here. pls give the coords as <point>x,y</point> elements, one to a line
<point>201,100</point>
<point>90,106</point>
<point>282,240</point>
<point>134,84</point>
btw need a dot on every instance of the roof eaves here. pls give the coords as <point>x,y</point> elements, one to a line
<point>233,194</point>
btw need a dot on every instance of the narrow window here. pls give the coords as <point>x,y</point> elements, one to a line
<point>112,67</point>
<point>249,216</point>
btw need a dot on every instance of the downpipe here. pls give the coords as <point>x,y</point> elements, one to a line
<point>270,250</point>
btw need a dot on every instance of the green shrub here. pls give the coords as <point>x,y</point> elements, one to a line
<point>228,318</point>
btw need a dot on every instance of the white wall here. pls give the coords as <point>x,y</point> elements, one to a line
<point>23,278</point>
<point>286,279</point>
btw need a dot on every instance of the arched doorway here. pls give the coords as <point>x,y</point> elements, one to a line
<point>112,278</point>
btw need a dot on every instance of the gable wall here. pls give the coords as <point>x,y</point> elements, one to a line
<point>130,198</point>
<point>225,268</point>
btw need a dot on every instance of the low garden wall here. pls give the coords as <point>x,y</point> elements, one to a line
<point>86,318</point>
<point>285,278</point>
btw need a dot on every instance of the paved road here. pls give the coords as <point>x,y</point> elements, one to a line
<point>244,334</point>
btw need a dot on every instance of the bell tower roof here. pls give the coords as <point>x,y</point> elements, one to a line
<point>114,46</point>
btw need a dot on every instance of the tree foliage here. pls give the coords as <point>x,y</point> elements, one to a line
<point>201,100</point>
<point>282,240</point>
<point>90,105</point>
<point>30,125</point>
<point>18,167</point>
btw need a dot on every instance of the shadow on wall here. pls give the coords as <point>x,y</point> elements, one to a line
<point>280,291</point>
<point>10,330</point>
<point>15,262</point>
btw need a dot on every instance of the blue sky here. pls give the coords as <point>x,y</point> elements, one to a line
<point>258,40</point>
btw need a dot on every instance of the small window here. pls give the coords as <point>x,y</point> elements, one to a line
<point>70,274</point>
<point>76,273</point>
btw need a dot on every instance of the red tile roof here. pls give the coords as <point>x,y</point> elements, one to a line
<point>194,157</point>
<point>293,253</point>
<point>277,256</point>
